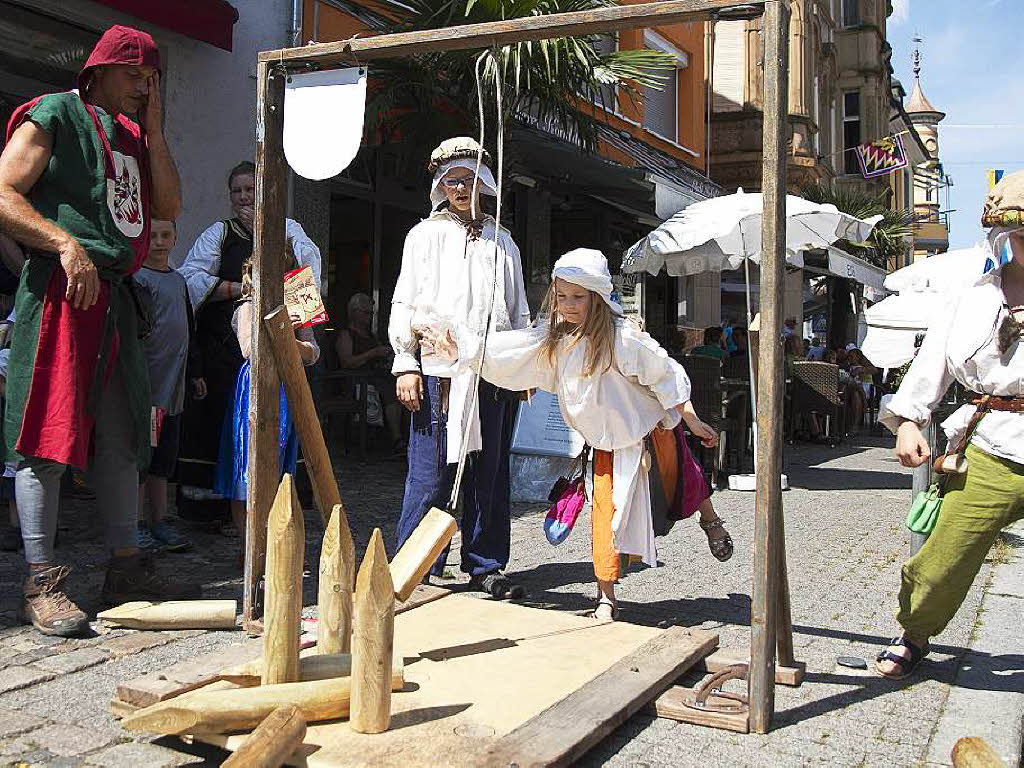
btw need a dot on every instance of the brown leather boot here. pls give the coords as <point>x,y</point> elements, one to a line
<point>46,606</point>
<point>135,578</point>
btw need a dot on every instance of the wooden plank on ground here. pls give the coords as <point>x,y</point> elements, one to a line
<point>190,675</point>
<point>564,732</point>
<point>673,705</point>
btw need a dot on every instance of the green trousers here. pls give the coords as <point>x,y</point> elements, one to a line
<point>976,507</point>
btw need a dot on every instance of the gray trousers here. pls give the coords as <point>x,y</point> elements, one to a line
<point>114,476</point>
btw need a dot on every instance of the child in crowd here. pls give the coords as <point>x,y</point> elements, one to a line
<point>621,391</point>
<point>173,361</point>
<point>231,478</point>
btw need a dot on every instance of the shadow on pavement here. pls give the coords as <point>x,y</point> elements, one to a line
<point>834,479</point>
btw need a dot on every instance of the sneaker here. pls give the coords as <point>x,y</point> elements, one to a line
<point>145,541</point>
<point>47,608</point>
<point>167,535</point>
<point>135,578</point>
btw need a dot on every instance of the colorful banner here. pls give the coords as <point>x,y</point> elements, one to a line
<point>994,177</point>
<point>882,157</point>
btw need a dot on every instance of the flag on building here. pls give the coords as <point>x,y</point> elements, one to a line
<point>882,156</point>
<point>994,177</point>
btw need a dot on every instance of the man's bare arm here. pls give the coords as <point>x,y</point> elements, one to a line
<point>22,163</point>
<point>165,198</point>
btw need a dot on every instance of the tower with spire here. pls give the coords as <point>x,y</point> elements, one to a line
<point>930,185</point>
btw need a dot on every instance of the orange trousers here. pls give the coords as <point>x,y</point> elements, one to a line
<point>608,563</point>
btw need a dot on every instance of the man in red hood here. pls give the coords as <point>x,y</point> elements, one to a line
<point>80,182</point>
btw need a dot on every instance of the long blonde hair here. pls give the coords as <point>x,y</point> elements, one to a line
<point>598,330</point>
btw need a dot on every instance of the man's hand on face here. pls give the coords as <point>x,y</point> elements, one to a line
<point>153,110</point>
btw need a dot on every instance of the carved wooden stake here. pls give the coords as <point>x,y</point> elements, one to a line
<point>173,614</point>
<point>337,577</point>
<point>420,550</point>
<point>273,741</point>
<point>312,668</point>
<point>239,709</point>
<point>373,641</point>
<point>286,542</point>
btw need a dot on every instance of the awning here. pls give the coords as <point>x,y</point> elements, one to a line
<point>842,264</point>
<point>210,21</point>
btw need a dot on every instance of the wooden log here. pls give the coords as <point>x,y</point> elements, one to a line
<point>312,668</point>
<point>420,550</point>
<point>285,350</point>
<point>728,657</point>
<point>975,752</point>
<point>240,709</point>
<point>173,614</point>
<point>273,741</point>
<point>771,385</point>
<point>268,252</point>
<point>337,579</point>
<point>286,541</point>
<point>373,641</point>
<point>496,33</point>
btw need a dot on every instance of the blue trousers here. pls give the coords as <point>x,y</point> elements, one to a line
<point>486,522</point>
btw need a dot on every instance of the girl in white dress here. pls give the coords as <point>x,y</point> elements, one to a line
<point>616,386</point>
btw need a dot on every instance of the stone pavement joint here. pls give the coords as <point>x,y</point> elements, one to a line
<point>65,740</point>
<point>14,723</point>
<point>16,677</point>
<point>139,755</point>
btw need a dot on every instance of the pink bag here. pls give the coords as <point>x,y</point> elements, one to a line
<point>562,515</point>
<point>693,488</point>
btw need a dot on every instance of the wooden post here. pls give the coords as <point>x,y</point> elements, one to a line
<point>268,282</point>
<point>239,709</point>
<point>312,668</point>
<point>420,550</point>
<point>337,578</point>
<point>173,614</point>
<point>281,341</point>
<point>373,641</point>
<point>286,542</point>
<point>771,384</point>
<point>273,741</point>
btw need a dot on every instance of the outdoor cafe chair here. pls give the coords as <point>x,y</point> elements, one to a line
<point>707,397</point>
<point>816,392</point>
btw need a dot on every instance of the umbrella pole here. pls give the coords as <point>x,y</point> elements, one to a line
<point>750,361</point>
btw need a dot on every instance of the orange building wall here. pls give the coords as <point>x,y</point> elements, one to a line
<point>689,38</point>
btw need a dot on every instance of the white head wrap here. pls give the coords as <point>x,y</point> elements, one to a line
<point>588,269</point>
<point>487,183</point>
<point>998,241</point>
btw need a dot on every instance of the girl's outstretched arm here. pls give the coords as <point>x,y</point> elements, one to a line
<point>704,432</point>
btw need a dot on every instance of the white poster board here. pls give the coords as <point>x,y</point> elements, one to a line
<point>540,430</point>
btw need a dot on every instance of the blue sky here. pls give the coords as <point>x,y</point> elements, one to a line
<point>972,62</point>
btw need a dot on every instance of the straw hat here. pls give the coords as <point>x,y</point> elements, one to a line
<point>458,148</point>
<point>1004,206</point>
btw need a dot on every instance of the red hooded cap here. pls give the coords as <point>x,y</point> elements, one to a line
<point>121,45</point>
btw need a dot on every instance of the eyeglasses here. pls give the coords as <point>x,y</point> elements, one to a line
<point>458,182</point>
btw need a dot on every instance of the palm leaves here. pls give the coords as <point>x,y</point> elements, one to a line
<point>888,240</point>
<point>550,83</point>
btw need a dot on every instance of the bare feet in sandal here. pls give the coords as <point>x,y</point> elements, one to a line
<point>719,540</point>
<point>606,610</point>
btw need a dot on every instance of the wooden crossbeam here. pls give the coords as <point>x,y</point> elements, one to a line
<point>589,22</point>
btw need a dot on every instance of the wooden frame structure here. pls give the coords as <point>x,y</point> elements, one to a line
<point>771,630</point>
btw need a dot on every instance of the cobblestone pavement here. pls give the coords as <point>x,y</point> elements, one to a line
<point>845,543</point>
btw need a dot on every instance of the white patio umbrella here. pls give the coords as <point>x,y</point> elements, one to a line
<point>719,233</point>
<point>725,233</point>
<point>927,288</point>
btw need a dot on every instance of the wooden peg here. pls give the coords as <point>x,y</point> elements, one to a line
<point>240,709</point>
<point>373,641</point>
<point>173,614</point>
<point>420,550</point>
<point>273,741</point>
<point>286,541</point>
<point>337,578</point>
<point>312,668</point>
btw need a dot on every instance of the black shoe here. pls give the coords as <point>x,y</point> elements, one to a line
<point>135,578</point>
<point>497,585</point>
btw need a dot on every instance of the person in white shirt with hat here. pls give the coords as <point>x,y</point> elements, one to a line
<point>457,270</point>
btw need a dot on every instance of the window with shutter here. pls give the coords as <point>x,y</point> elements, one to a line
<point>851,131</point>
<point>851,15</point>
<point>730,67</point>
<point>607,96</point>
<point>661,105</point>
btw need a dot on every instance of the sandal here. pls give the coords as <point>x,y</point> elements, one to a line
<point>497,585</point>
<point>605,610</point>
<point>906,666</point>
<point>721,546</point>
